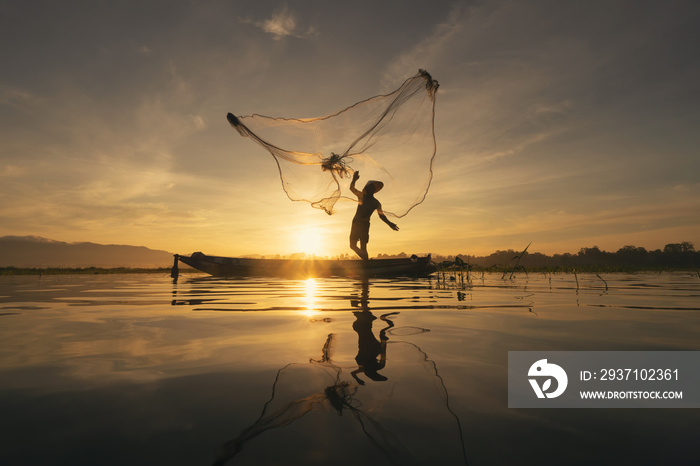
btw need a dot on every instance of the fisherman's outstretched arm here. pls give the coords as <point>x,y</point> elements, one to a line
<point>386,220</point>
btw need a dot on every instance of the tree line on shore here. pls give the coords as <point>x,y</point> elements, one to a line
<point>673,256</point>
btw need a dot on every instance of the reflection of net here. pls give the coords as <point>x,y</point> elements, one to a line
<point>387,137</point>
<point>407,420</point>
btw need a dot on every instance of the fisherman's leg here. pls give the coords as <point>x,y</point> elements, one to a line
<point>353,246</point>
<point>363,248</point>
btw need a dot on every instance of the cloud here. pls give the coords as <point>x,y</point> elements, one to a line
<point>11,171</point>
<point>198,121</point>
<point>283,23</point>
<point>19,99</point>
<point>427,52</point>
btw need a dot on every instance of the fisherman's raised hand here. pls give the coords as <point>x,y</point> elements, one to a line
<point>355,176</point>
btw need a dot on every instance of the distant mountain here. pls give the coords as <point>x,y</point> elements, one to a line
<point>35,251</point>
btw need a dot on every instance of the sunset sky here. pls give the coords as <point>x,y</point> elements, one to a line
<point>567,124</point>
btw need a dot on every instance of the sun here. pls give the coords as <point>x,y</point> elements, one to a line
<point>310,241</point>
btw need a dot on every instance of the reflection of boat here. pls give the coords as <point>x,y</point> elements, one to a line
<point>245,267</point>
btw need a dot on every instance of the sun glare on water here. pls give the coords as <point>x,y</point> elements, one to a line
<point>310,297</point>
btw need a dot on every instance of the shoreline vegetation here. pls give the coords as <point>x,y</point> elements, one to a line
<point>674,257</point>
<point>85,270</point>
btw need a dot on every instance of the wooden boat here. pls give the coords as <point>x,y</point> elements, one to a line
<point>305,268</point>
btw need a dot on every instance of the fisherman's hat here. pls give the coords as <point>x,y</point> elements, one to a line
<point>378,185</point>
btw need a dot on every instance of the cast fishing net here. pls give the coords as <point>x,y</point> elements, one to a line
<point>390,138</point>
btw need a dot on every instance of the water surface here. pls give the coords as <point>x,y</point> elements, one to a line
<point>135,369</point>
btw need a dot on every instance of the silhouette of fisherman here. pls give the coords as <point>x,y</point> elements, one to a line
<point>366,206</point>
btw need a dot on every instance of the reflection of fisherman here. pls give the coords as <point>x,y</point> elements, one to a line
<point>371,353</point>
<point>367,204</point>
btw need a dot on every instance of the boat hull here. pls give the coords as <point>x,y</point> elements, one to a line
<point>305,268</point>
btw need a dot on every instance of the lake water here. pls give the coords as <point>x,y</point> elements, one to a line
<point>135,369</point>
